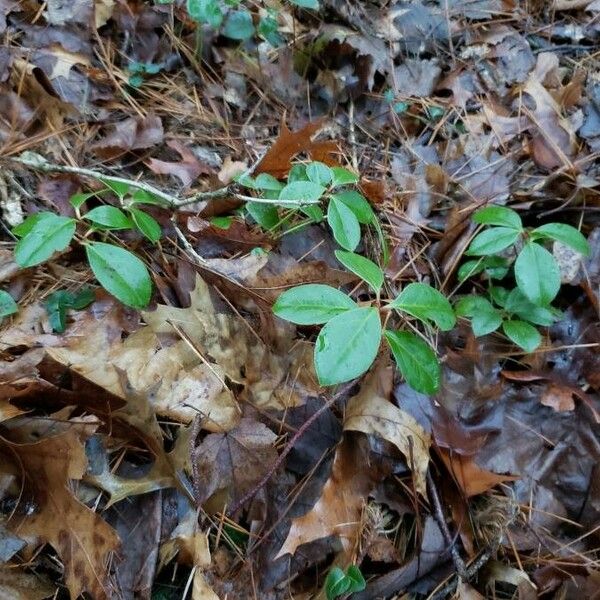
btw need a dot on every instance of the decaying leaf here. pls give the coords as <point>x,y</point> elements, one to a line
<point>82,539</point>
<point>371,412</point>
<point>187,170</point>
<point>17,584</point>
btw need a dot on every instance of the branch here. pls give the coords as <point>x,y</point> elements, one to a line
<point>39,163</point>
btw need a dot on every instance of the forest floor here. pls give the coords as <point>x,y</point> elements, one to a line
<point>162,434</point>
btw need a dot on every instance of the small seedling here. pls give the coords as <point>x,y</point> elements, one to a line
<point>59,302</point>
<point>339,583</point>
<point>505,247</point>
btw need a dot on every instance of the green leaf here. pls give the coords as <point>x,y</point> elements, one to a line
<point>498,215</point>
<point>205,11</point>
<point>49,234</point>
<point>358,583</point>
<point>561,232</point>
<point>314,211</point>
<point>56,306</point>
<point>8,306</point>
<point>148,225</point>
<point>301,191</point>
<point>265,215</point>
<point>319,172</point>
<point>268,28</point>
<point>118,187</point>
<point>238,25</point>
<point>312,304</point>
<point>416,360</point>
<point>84,298</point>
<point>426,303</point>
<point>297,173</point>
<point>341,176</point>
<point>120,273</point>
<point>363,267</point>
<point>144,197</point>
<point>537,274</point>
<point>517,303</point>
<point>344,224</point>
<point>222,222</point>
<point>498,294</point>
<point>311,4</point>
<point>470,268</point>
<point>492,240</point>
<point>347,345</point>
<point>336,583</point>
<point>264,181</point>
<point>77,200</point>
<point>108,217</point>
<point>358,204</point>
<point>22,229</point>
<point>484,317</point>
<point>495,267</point>
<point>523,334</point>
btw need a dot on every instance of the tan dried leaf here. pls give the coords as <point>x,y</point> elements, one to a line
<point>371,412</point>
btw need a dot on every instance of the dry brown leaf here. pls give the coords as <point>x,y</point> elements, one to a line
<point>134,133</point>
<point>371,412</point>
<point>338,509</point>
<point>82,539</point>
<point>187,170</point>
<point>234,461</point>
<point>278,160</point>
<point>471,478</point>
<point>558,397</point>
<point>230,170</point>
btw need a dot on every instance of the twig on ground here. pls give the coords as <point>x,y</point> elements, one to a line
<point>438,514</point>
<point>288,448</point>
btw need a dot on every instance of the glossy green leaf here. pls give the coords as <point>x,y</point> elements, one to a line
<point>358,583</point>
<point>301,191</point>
<point>120,273</point>
<point>22,229</point>
<point>143,197</point>
<point>484,317</point>
<point>58,302</point>
<point>416,361</point>
<point>467,306</point>
<point>426,303</point>
<point>347,345</point>
<point>314,211</point>
<point>341,176</point>
<point>118,187</point>
<point>344,224</point>
<point>363,267</point>
<point>336,583</point>
<point>265,215</point>
<point>561,232</point>
<point>108,217</point>
<point>358,204</point>
<point>537,274</point>
<point>319,172</point>
<point>297,173</point>
<point>523,334</point>
<point>498,215</point>
<point>50,233</point>
<point>517,303</point>
<point>221,222</point>
<point>492,240</point>
<point>8,306</point>
<point>238,25</point>
<point>147,224</point>
<point>498,294</point>
<point>77,200</point>
<point>312,304</point>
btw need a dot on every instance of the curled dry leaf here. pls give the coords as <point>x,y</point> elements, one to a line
<point>338,509</point>
<point>134,133</point>
<point>470,477</point>
<point>82,539</point>
<point>371,412</point>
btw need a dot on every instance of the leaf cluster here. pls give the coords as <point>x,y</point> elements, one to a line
<point>339,583</point>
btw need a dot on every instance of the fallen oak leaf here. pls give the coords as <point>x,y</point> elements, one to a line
<point>82,539</point>
<point>278,160</point>
<point>371,412</point>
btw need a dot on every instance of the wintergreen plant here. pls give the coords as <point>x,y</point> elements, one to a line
<point>339,583</point>
<point>235,21</point>
<point>58,302</point>
<point>506,247</point>
<point>119,271</point>
<point>318,193</point>
<point>8,306</point>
